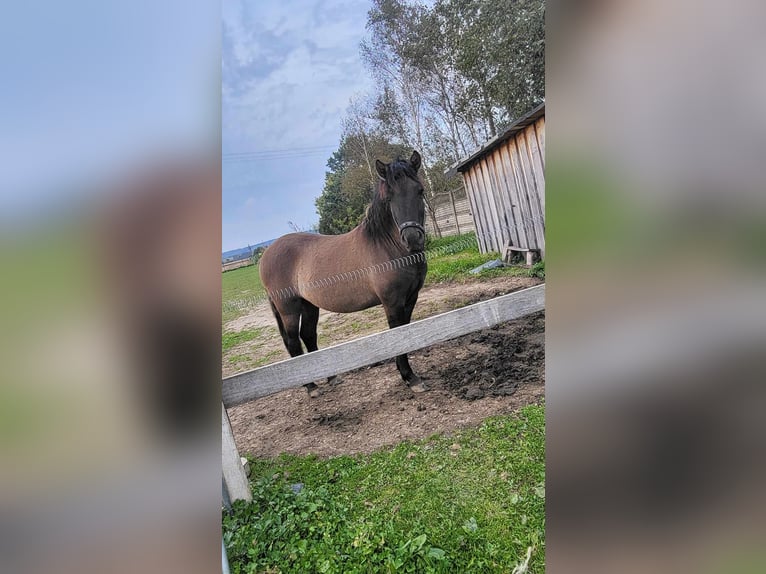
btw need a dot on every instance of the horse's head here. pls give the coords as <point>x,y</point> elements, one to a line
<point>404,193</point>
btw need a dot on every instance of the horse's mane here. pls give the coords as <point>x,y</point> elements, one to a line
<point>377,219</point>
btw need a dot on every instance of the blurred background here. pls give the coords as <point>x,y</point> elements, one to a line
<point>655,370</point>
<point>109,287</point>
<point>110,233</point>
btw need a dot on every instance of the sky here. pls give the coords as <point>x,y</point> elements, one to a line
<point>289,70</point>
<point>89,88</point>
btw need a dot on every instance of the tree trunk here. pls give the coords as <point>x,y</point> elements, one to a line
<point>488,114</point>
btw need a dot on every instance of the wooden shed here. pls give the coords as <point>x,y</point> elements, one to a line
<point>505,184</point>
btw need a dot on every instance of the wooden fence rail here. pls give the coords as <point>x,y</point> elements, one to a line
<point>310,367</point>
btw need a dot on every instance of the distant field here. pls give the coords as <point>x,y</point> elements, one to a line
<point>238,285</point>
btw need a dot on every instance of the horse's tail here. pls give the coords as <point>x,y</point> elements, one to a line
<point>278,317</point>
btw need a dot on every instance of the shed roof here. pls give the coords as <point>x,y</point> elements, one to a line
<point>464,164</point>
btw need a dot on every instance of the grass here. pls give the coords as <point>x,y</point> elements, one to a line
<point>471,502</point>
<point>449,242</point>
<point>230,339</point>
<point>452,267</point>
<point>537,270</point>
<point>248,361</point>
<point>451,258</point>
<point>238,285</point>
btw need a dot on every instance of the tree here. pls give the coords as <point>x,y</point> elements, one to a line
<point>349,183</point>
<point>255,257</point>
<point>467,67</point>
<point>500,46</point>
<point>336,213</point>
<point>449,76</point>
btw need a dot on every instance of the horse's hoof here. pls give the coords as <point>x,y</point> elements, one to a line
<point>312,390</point>
<point>417,385</point>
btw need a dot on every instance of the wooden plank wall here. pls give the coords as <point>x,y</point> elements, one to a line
<point>445,217</point>
<point>506,191</point>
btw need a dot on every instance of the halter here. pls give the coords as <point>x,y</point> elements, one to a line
<point>407,224</point>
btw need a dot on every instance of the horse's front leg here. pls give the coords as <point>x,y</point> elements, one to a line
<point>397,316</point>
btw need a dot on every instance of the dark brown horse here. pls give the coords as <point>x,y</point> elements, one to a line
<point>379,262</point>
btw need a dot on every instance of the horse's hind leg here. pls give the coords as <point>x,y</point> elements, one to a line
<point>288,317</point>
<point>309,321</point>
<point>280,324</point>
<point>291,323</point>
<point>308,332</point>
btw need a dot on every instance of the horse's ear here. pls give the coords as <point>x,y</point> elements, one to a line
<point>380,167</point>
<point>415,160</point>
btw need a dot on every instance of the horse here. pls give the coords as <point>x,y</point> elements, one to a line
<point>379,262</point>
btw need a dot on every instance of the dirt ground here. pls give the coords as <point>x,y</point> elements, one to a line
<point>490,372</point>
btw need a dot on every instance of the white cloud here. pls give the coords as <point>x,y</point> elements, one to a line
<point>293,73</point>
<point>289,70</point>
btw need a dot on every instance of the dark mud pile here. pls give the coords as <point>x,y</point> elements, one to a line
<point>496,361</point>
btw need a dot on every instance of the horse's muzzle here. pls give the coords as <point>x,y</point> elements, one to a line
<point>413,234</point>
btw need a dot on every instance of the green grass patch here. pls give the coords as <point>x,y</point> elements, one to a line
<point>472,502</point>
<point>238,359</point>
<point>455,266</point>
<point>267,358</point>
<point>450,243</point>
<point>451,258</point>
<point>239,285</point>
<point>537,270</point>
<point>230,339</point>
<point>249,362</point>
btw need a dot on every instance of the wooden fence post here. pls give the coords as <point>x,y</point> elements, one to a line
<point>233,474</point>
<point>454,210</point>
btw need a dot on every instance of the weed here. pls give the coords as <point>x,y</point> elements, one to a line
<point>538,270</point>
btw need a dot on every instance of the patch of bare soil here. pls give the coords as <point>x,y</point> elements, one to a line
<point>261,316</point>
<point>434,298</point>
<point>490,372</point>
